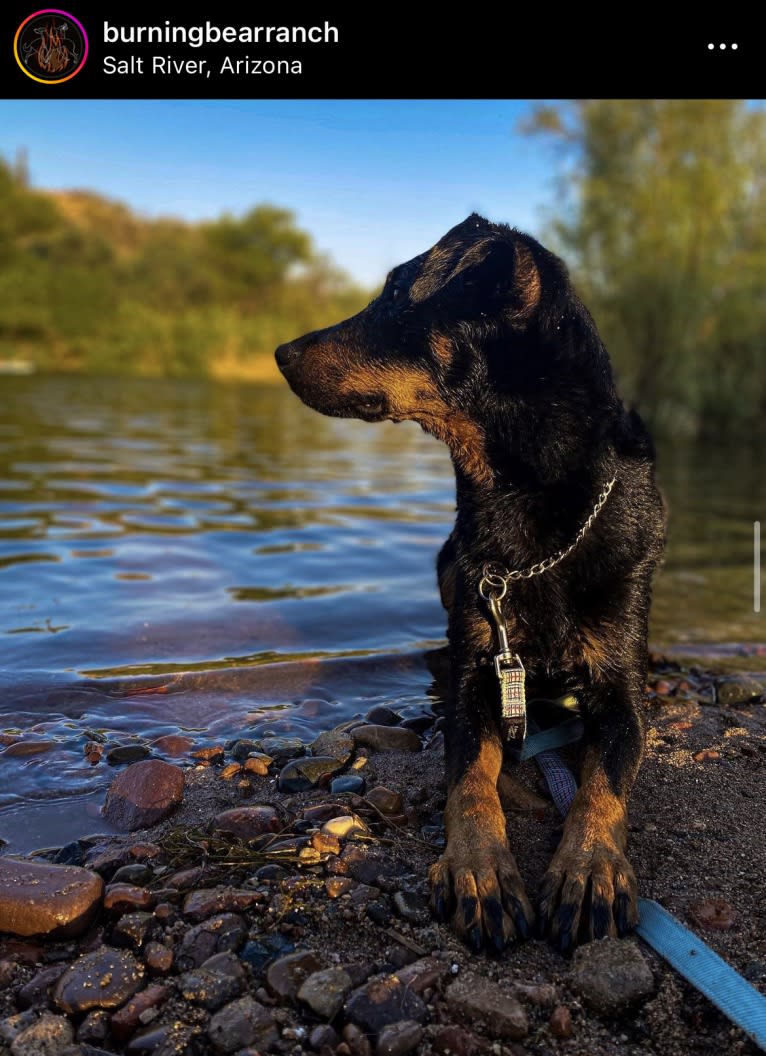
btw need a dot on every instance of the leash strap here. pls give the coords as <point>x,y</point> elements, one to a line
<point>704,969</point>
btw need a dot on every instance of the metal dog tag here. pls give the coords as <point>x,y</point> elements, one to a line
<point>511,675</point>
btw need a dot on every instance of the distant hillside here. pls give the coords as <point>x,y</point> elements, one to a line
<point>87,284</point>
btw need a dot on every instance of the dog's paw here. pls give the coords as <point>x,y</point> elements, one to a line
<point>587,894</point>
<point>479,890</point>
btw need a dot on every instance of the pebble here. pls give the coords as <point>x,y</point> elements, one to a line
<point>362,862</point>
<point>301,775</point>
<point>335,886</point>
<point>345,826</point>
<point>21,749</point>
<point>454,1041</point>
<point>135,873</point>
<point>424,974</point>
<point>212,754</point>
<point>322,812</point>
<point>246,823</point>
<point>103,979</point>
<point>355,1042</point>
<point>382,1001</point>
<point>257,763</point>
<point>713,913</point>
<point>47,1036</point>
<point>397,1039</point>
<point>335,744</point>
<point>172,744</point>
<point>199,905</point>
<point>324,992</point>
<point>286,975</point>
<point>386,738</point>
<point>144,794</point>
<point>611,975</point>
<point>706,755</point>
<point>386,801</point>
<point>560,1022</point>
<point>127,753</point>
<point>282,749</point>
<point>229,771</point>
<point>38,898</point>
<point>227,931</point>
<point>381,715</point>
<point>480,1000</point>
<point>411,907</point>
<point>70,854</point>
<point>169,1039</point>
<point>128,1019</point>
<point>241,1023</point>
<point>158,958</point>
<point>35,992</point>
<point>738,690</point>
<point>94,1027</point>
<point>123,898</point>
<point>243,747</point>
<point>219,980</point>
<point>321,1036</point>
<point>347,783</point>
<point>325,843</point>
<point>133,930</point>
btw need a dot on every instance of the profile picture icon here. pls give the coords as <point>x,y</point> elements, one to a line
<point>51,46</point>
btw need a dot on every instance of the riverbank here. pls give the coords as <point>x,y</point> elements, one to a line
<point>299,921</point>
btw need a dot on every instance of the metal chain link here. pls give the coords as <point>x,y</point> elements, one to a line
<point>495,578</point>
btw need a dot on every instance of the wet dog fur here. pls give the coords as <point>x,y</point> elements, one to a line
<point>484,342</point>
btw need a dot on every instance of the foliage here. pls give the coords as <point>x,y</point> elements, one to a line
<point>86,284</point>
<point>663,220</point>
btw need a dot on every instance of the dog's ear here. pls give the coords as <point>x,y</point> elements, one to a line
<point>492,274</point>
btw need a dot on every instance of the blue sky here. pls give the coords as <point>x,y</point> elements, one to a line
<point>375,182</point>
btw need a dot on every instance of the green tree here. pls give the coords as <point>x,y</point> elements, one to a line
<point>662,217</point>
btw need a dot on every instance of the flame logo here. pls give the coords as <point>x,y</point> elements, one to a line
<point>51,46</point>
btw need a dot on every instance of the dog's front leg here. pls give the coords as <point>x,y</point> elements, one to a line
<point>589,890</point>
<point>476,883</point>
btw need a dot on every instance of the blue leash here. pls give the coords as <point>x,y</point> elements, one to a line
<point>690,956</point>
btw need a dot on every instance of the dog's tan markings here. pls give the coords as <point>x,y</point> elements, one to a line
<point>595,647</point>
<point>590,885</point>
<point>443,349</point>
<point>477,879</point>
<point>527,281</point>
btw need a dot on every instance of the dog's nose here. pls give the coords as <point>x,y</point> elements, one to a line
<point>287,354</point>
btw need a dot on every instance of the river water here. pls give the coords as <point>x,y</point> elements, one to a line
<point>181,556</point>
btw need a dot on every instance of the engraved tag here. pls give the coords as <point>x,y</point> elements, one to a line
<point>511,674</point>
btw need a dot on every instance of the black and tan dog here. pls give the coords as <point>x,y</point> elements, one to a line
<point>483,341</point>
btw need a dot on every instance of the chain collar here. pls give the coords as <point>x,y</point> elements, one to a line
<point>496,578</point>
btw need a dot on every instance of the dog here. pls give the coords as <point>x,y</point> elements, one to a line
<point>483,341</point>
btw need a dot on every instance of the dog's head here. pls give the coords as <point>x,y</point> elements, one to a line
<point>475,314</point>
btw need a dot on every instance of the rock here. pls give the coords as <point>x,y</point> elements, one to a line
<point>380,715</point>
<point>322,812</point>
<point>246,823</point>
<point>70,854</point>
<point>144,794</point>
<point>241,1023</point>
<point>131,1016</point>
<point>324,992</point>
<point>424,974</point>
<point>334,744</point>
<point>321,1036</point>
<point>35,992</point>
<point>411,907</point>
<point>47,1036</point>
<point>230,770</point>
<point>212,754</point>
<point>560,1023</point>
<point>345,826</point>
<point>335,886</point>
<point>242,748</point>
<point>300,775</point>
<point>386,738</point>
<point>168,1039</point>
<point>382,1001</point>
<point>707,755</point>
<point>123,898</point>
<point>611,975</point>
<point>347,783</point>
<point>397,1039</point>
<point>738,690</point>
<point>158,958</point>
<point>173,744</point>
<point>135,873</point>
<point>127,753</point>
<point>355,1041</point>
<point>479,1000</point>
<point>94,1027</point>
<point>713,913</point>
<point>541,995</point>
<point>454,1041</point>
<point>386,801</point>
<point>257,763</point>
<point>283,749</point>
<point>103,979</point>
<point>227,931</point>
<point>220,979</point>
<point>363,863</point>
<point>132,930</point>
<point>38,898</point>
<point>199,905</point>
<point>285,976</point>
<point>22,749</point>
<point>325,843</point>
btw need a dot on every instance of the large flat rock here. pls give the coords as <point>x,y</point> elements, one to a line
<point>38,898</point>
